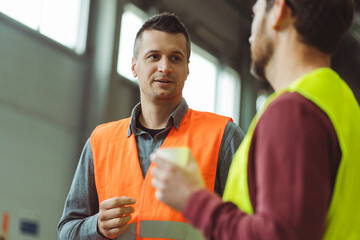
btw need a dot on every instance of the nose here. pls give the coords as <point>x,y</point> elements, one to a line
<point>164,65</point>
<point>251,39</point>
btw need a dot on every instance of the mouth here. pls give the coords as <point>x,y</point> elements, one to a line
<point>164,80</point>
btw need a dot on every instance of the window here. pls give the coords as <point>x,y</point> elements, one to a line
<point>228,94</point>
<point>131,21</point>
<point>261,98</point>
<point>212,88</point>
<point>64,21</point>
<point>199,90</point>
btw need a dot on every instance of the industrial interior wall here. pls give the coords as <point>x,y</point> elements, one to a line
<point>39,88</point>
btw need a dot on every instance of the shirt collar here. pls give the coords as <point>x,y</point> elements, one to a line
<point>174,119</point>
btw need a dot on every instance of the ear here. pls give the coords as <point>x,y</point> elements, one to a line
<point>280,13</point>
<point>133,64</point>
<point>187,70</point>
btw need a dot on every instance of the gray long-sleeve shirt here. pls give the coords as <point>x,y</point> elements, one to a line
<point>80,215</point>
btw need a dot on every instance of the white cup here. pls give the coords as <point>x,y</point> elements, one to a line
<point>176,155</point>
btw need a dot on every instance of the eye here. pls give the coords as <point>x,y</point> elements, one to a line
<point>175,58</point>
<point>153,57</point>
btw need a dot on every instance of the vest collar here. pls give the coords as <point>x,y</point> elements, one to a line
<point>174,119</point>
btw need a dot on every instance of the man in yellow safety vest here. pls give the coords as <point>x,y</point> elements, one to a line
<point>296,174</point>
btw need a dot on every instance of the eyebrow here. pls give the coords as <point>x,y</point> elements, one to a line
<point>157,51</point>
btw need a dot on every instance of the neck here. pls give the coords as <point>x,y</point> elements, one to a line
<point>155,115</point>
<point>291,60</point>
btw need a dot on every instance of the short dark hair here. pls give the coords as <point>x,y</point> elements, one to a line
<point>166,22</point>
<point>321,23</point>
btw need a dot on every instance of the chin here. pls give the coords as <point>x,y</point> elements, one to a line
<point>258,71</point>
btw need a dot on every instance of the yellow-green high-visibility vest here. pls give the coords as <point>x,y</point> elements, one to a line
<point>330,93</point>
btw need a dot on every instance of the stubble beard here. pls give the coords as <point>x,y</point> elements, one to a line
<point>261,53</point>
<point>167,95</point>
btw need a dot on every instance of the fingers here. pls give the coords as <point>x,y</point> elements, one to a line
<point>162,164</point>
<point>115,222</point>
<point>162,174</point>
<point>114,232</point>
<point>114,214</point>
<point>113,227</point>
<point>157,182</point>
<point>115,208</point>
<point>160,190</point>
<point>116,202</point>
<point>175,184</point>
<point>159,195</point>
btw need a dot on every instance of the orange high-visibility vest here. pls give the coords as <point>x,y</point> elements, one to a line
<point>118,173</point>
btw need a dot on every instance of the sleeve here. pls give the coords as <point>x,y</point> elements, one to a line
<point>290,163</point>
<point>232,138</point>
<point>80,215</point>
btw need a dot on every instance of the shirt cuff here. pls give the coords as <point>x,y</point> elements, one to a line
<point>92,232</point>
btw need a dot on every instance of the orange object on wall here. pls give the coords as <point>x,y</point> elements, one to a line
<point>5,220</point>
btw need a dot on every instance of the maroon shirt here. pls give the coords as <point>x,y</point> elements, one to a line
<point>293,160</point>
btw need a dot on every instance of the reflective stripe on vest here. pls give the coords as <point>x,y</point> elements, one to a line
<point>163,230</point>
<point>330,93</point>
<point>129,234</point>
<point>117,169</point>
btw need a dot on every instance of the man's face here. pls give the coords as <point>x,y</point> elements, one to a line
<point>161,66</point>
<point>261,44</point>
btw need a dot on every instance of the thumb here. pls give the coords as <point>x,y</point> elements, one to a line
<point>191,163</point>
<point>193,169</point>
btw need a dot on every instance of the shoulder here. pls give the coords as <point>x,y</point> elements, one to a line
<point>294,130</point>
<point>291,99</point>
<point>217,122</point>
<point>110,125</point>
<point>292,116</point>
<point>234,130</point>
<point>111,128</point>
<point>294,106</point>
<point>198,115</point>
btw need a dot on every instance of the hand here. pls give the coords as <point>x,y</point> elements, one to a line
<point>174,185</point>
<point>3,236</point>
<point>114,214</point>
